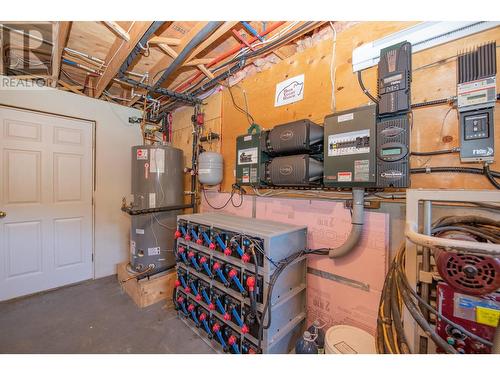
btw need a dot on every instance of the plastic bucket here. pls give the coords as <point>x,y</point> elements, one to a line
<point>343,339</point>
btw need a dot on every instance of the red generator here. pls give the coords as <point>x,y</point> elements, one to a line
<point>477,314</point>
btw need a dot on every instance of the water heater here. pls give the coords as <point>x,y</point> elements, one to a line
<point>157,183</point>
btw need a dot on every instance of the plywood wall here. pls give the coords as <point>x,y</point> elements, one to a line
<point>431,124</point>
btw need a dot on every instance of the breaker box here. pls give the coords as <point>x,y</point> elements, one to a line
<point>221,288</point>
<point>350,148</point>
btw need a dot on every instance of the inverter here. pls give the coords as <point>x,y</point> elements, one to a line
<point>393,138</point>
<point>297,137</point>
<point>294,170</point>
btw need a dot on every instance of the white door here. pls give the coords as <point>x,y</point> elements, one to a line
<point>46,193</point>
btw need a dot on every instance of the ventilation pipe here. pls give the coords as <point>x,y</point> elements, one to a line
<point>357,221</point>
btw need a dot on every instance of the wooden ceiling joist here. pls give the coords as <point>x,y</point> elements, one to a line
<point>226,26</point>
<point>60,33</point>
<point>118,53</point>
<point>118,30</point>
<point>165,40</point>
<point>164,62</point>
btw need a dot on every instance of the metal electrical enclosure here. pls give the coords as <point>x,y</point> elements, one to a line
<point>157,181</point>
<point>249,159</point>
<point>476,99</point>
<point>214,264</point>
<point>350,148</point>
<point>393,154</point>
<point>297,137</point>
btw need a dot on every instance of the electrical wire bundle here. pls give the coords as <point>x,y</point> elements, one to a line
<point>397,292</point>
<point>235,190</point>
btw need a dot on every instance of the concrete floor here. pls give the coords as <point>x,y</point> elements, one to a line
<point>93,317</point>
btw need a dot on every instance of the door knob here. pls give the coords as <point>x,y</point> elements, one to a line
<point>3,214</point>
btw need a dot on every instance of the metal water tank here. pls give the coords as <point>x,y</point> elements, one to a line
<point>210,168</point>
<point>157,181</point>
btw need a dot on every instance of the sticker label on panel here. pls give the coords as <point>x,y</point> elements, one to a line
<point>152,200</point>
<point>473,308</point>
<point>346,117</point>
<point>142,154</point>
<point>485,315</point>
<point>344,176</point>
<point>132,247</point>
<point>289,91</point>
<point>361,170</point>
<point>153,251</point>
<point>248,156</point>
<point>157,162</point>
<point>139,231</point>
<point>351,143</point>
<point>247,138</point>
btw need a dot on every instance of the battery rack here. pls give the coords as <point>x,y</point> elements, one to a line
<point>221,292</point>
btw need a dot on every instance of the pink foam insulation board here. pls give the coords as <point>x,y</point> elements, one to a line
<point>219,199</point>
<point>350,285</point>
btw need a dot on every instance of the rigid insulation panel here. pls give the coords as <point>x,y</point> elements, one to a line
<point>214,264</point>
<point>157,181</point>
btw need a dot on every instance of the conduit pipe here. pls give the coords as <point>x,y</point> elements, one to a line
<point>357,220</point>
<point>209,28</point>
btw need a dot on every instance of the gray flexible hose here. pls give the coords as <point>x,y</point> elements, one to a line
<point>358,209</point>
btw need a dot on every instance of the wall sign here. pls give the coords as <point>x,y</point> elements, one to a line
<point>289,91</point>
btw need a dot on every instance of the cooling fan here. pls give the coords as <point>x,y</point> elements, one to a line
<point>468,273</point>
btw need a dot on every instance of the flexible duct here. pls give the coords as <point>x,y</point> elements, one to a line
<point>209,28</point>
<point>357,220</point>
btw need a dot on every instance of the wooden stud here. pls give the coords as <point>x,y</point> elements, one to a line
<point>168,50</point>
<point>60,34</point>
<point>69,87</point>
<point>117,30</point>
<point>118,53</point>
<point>165,40</point>
<point>205,71</point>
<point>198,62</point>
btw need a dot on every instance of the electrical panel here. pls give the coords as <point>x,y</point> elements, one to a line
<point>221,288</point>
<point>350,148</point>
<point>394,78</point>
<point>477,314</point>
<point>294,170</point>
<point>476,97</point>
<point>393,155</point>
<point>297,137</point>
<point>250,159</point>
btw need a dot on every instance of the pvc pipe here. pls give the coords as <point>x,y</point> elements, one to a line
<point>251,30</point>
<point>357,220</point>
<point>482,248</point>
